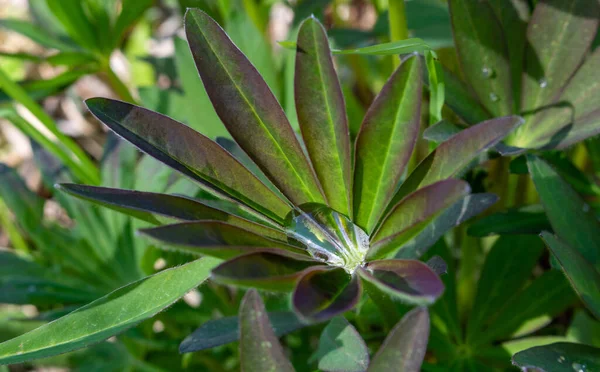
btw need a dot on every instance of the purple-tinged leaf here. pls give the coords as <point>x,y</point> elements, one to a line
<point>215,238</point>
<point>385,143</point>
<point>559,357</point>
<point>412,214</point>
<point>559,35</point>
<point>461,211</point>
<point>573,116</point>
<point>222,331</point>
<point>584,278</point>
<point>404,348</point>
<point>260,349</point>
<point>322,115</point>
<point>452,156</point>
<point>323,293</point>
<point>264,270</point>
<point>483,53</point>
<point>188,152</point>
<point>249,110</point>
<point>160,209</point>
<point>572,219</point>
<point>341,348</point>
<point>460,99</point>
<point>408,280</point>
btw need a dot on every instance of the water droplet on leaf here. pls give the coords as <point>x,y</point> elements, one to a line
<point>487,72</point>
<point>561,359</point>
<point>266,345</point>
<point>543,83</point>
<point>494,97</point>
<point>586,208</point>
<point>577,367</point>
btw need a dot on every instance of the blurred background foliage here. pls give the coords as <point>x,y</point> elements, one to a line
<point>57,254</point>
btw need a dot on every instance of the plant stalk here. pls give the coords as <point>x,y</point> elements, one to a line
<point>398,26</point>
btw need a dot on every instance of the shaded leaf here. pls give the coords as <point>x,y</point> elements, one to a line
<point>260,349</point>
<point>222,331</point>
<point>410,216</point>
<point>109,315</point>
<point>566,209</point>
<point>483,53</point>
<point>462,101</point>
<point>245,104</point>
<point>263,270</point>
<point>341,348</point>
<point>559,357</point>
<point>322,115</point>
<point>584,329</point>
<point>385,143</point>
<point>322,293</point>
<point>408,280</point>
<point>188,152</point>
<point>441,131</point>
<point>404,348</point>
<point>529,219</point>
<point>583,276</point>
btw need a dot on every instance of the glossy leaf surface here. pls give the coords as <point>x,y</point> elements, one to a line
<point>109,315</point>
<point>410,216</point>
<point>188,152</point>
<point>385,143</point>
<point>408,280</point>
<point>260,349</point>
<point>583,276</point>
<point>559,357</point>
<point>322,115</point>
<point>341,348</point>
<point>404,348</point>
<point>246,105</point>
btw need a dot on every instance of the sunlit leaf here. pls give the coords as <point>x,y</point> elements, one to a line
<point>341,348</point>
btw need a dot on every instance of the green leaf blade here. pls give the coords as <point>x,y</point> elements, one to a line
<point>322,115</point>
<point>341,348</point>
<point>559,357</point>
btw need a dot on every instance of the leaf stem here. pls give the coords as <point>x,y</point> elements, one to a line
<point>398,26</point>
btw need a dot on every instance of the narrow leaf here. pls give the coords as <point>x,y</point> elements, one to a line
<point>109,315</point>
<point>246,105</point>
<point>214,238</point>
<point>322,115</point>
<point>263,270</point>
<point>36,34</point>
<point>404,348</point>
<point>483,54</point>
<point>559,357</point>
<point>260,349</point>
<point>405,46</point>
<point>188,152</point>
<point>441,131</point>
<point>410,281</point>
<point>341,348</point>
<point>583,276</point>
<point>410,216</point>
<point>322,293</point>
<point>385,143</point>
<point>530,219</point>
<point>456,153</point>
<point>566,209</point>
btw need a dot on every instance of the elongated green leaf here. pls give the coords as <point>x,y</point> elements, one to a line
<point>188,152</point>
<point>404,348</point>
<point>583,276</point>
<point>259,348</point>
<point>74,20</point>
<point>109,315</point>
<point>452,156</point>
<point>160,209</point>
<point>410,216</point>
<point>461,100</point>
<point>576,108</point>
<point>584,329</point>
<point>511,258</point>
<point>225,330</point>
<point>27,207</point>
<point>530,219</point>
<point>385,143</point>
<point>441,131</point>
<point>264,270</point>
<point>131,11</point>
<point>40,89</point>
<point>559,357</point>
<point>483,53</point>
<point>245,104</point>
<point>559,35</point>
<point>341,348</point>
<point>405,46</point>
<point>566,209</point>
<point>36,34</point>
<point>322,115</point>
<point>436,87</point>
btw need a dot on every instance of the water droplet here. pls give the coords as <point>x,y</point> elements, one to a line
<point>586,207</point>
<point>266,345</point>
<point>487,72</point>
<point>577,367</point>
<point>561,359</point>
<point>543,83</point>
<point>494,97</point>
<point>329,236</point>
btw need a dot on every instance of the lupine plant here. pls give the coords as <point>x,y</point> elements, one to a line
<point>536,62</point>
<point>320,217</point>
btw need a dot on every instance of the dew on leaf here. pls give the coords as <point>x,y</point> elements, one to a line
<point>543,83</point>
<point>494,97</point>
<point>487,72</point>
